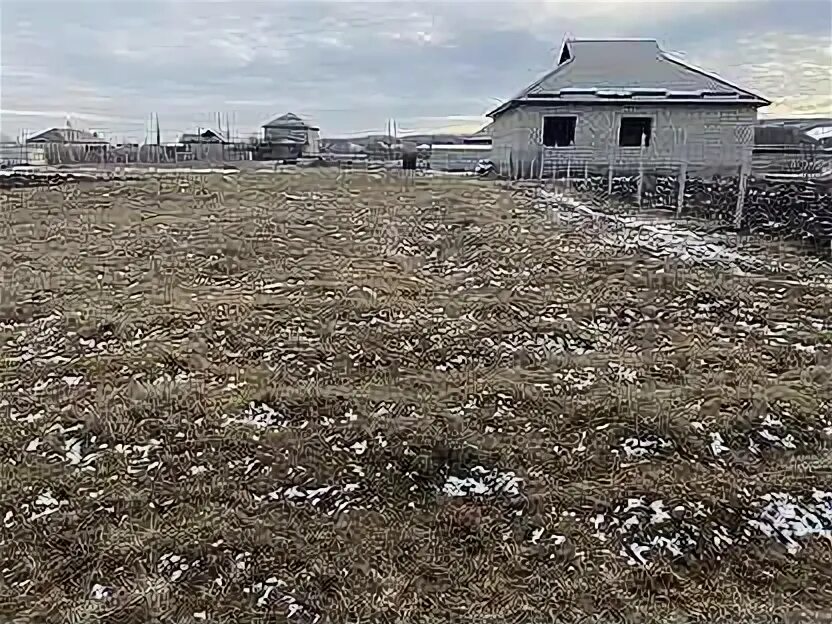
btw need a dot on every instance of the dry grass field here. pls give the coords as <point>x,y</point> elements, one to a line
<point>322,397</point>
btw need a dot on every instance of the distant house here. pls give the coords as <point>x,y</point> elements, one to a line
<point>70,144</point>
<point>12,153</point>
<point>288,137</point>
<point>341,146</point>
<point>793,145</point>
<point>822,133</point>
<point>454,157</point>
<point>613,102</point>
<point>68,136</point>
<point>771,136</point>
<point>202,136</point>
<point>481,137</point>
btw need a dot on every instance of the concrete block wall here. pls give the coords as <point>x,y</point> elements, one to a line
<point>719,136</point>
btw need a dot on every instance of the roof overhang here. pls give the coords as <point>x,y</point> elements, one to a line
<point>285,141</point>
<point>624,101</point>
<point>730,94</point>
<point>290,126</point>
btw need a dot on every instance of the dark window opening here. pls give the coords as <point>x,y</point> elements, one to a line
<point>565,55</point>
<point>633,129</point>
<point>559,131</point>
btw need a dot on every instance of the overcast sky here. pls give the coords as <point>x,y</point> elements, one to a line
<point>350,66</point>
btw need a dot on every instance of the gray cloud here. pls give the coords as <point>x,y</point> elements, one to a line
<point>350,66</point>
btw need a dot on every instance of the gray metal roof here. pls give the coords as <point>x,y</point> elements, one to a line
<point>628,70</point>
<point>770,134</point>
<point>67,135</point>
<point>805,123</point>
<point>206,136</point>
<point>286,141</point>
<point>483,133</point>
<point>289,120</point>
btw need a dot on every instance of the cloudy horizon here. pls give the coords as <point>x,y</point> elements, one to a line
<point>350,67</point>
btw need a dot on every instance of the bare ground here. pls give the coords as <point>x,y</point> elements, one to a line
<point>338,398</point>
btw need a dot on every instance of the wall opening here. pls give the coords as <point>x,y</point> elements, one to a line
<point>559,131</point>
<point>633,129</point>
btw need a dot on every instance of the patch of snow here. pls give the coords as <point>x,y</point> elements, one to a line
<point>482,482</point>
<point>660,239</point>
<point>789,519</point>
<point>100,592</point>
<point>259,415</point>
<point>635,448</point>
<point>717,444</point>
<point>173,566</point>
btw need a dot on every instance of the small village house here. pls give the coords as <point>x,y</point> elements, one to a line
<point>481,137</point>
<point>204,144</point>
<point>288,137</point>
<point>625,104</point>
<point>202,135</point>
<point>454,157</point>
<point>792,145</point>
<point>62,145</point>
<point>14,153</point>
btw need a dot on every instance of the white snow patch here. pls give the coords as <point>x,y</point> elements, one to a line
<point>482,482</point>
<point>788,519</point>
<point>173,566</point>
<point>100,592</point>
<point>717,444</point>
<point>635,448</point>
<point>259,415</point>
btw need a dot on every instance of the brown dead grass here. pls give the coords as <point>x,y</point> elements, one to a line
<point>324,295</point>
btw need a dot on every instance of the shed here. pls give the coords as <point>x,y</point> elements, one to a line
<point>622,103</point>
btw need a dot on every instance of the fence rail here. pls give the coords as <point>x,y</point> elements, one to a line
<point>793,210</point>
<point>541,162</point>
<point>69,154</point>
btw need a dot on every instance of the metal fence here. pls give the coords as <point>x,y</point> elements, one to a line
<point>68,154</point>
<point>536,162</point>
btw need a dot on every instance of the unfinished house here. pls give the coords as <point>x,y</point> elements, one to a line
<point>201,136</point>
<point>288,138</point>
<point>624,104</point>
<point>204,144</point>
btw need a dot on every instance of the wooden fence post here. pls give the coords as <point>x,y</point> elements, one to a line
<point>683,178</point>
<point>741,194</point>
<point>640,171</point>
<point>610,175</point>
